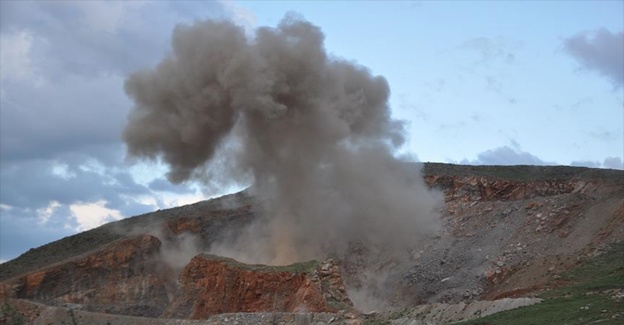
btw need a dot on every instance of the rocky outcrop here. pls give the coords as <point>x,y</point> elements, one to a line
<point>124,277</point>
<point>209,220</point>
<point>507,234</point>
<point>479,188</point>
<point>212,285</point>
<point>507,231</point>
<point>128,278</point>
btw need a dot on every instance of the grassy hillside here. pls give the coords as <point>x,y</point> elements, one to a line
<point>593,294</point>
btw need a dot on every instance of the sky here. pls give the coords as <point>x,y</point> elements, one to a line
<point>491,82</point>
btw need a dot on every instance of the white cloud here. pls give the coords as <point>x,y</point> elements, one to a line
<point>149,200</point>
<point>174,200</point>
<point>63,107</point>
<point>63,171</point>
<point>609,162</point>
<point>513,155</point>
<point>91,215</point>
<point>613,163</point>
<point>506,155</point>
<point>44,214</point>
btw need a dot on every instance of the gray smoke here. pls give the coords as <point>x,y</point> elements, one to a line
<point>313,133</point>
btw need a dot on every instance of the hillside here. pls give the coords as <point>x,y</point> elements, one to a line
<point>508,232</point>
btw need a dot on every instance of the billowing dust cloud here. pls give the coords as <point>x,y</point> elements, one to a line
<point>311,131</point>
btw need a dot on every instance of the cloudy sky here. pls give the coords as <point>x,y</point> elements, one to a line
<point>477,82</point>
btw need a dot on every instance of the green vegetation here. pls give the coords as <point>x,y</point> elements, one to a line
<point>592,295</point>
<point>10,315</point>
<point>57,251</point>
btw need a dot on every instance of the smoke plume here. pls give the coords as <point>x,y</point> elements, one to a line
<point>313,132</point>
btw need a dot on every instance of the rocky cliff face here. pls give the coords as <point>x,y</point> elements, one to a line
<point>128,277</point>
<point>214,285</point>
<point>467,188</point>
<point>124,277</point>
<point>507,231</point>
<point>508,236</point>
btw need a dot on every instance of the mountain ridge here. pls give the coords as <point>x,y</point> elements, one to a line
<point>107,233</point>
<point>507,232</point>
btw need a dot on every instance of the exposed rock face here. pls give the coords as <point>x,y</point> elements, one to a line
<point>209,220</point>
<point>507,231</point>
<point>122,278</point>
<point>468,188</point>
<point>127,278</point>
<point>213,285</point>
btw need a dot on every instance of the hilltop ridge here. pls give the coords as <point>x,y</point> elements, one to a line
<point>507,232</point>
